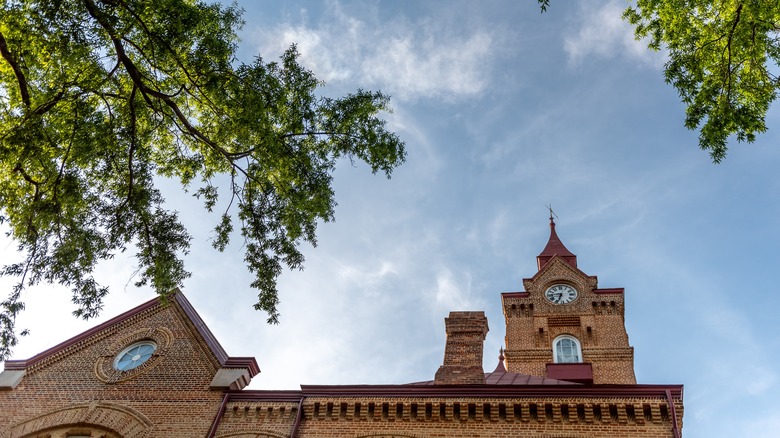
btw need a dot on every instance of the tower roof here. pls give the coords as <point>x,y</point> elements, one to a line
<point>555,248</point>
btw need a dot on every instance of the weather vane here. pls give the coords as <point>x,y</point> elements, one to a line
<point>552,213</point>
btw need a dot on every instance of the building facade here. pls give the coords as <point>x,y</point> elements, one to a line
<point>157,371</point>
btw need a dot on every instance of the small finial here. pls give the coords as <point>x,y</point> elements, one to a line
<point>500,368</point>
<point>552,214</point>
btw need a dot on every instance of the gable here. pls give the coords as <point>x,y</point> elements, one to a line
<point>180,360</point>
<point>557,269</point>
<point>165,325</point>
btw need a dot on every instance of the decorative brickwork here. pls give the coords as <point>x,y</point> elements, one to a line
<point>114,418</point>
<point>486,417</point>
<point>104,366</point>
<point>244,418</point>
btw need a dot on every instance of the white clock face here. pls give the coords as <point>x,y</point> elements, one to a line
<point>560,294</point>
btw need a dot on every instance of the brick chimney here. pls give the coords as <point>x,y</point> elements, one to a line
<point>463,352</point>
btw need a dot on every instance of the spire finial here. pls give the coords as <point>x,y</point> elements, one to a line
<point>500,367</point>
<point>552,214</point>
<point>555,246</point>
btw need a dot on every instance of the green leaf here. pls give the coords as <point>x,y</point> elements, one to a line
<point>98,99</point>
<point>722,56</point>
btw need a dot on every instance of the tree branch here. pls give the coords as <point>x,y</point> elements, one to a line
<point>133,144</point>
<point>19,169</point>
<point>9,57</point>
<point>43,108</point>
<point>135,76</point>
<point>170,50</point>
<point>728,47</point>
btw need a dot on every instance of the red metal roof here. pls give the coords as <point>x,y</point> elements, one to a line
<point>410,390</point>
<point>555,247</point>
<point>507,378</point>
<point>504,378</point>
<point>500,376</point>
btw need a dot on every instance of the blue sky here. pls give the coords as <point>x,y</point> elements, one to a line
<point>504,110</point>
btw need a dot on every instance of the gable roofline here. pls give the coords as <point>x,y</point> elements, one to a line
<point>226,361</point>
<point>21,364</point>
<point>566,264</point>
<point>178,299</point>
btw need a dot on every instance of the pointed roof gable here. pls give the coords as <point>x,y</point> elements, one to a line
<point>555,247</point>
<point>249,363</point>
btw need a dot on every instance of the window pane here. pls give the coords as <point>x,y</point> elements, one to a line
<point>567,351</point>
<point>134,355</point>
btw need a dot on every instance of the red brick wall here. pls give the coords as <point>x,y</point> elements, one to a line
<point>167,396</point>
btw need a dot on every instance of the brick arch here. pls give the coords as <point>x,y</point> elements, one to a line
<point>71,430</point>
<point>388,435</point>
<point>117,420</point>
<point>253,434</point>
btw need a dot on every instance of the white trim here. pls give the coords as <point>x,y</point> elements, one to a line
<point>576,344</point>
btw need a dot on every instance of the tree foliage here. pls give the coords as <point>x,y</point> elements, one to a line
<point>723,60</point>
<point>99,99</point>
<point>724,57</point>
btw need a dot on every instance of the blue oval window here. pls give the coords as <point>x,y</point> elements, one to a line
<point>134,355</point>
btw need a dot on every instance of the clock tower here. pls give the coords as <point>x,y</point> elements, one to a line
<point>563,326</point>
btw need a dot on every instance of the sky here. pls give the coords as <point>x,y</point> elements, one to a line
<point>504,111</point>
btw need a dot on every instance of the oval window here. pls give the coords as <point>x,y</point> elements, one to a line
<point>134,355</point>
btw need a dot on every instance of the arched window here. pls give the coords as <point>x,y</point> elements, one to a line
<point>75,432</point>
<point>566,349</point>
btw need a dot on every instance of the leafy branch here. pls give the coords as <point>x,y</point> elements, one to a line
<point>106,96</point>
<point>720,58</point>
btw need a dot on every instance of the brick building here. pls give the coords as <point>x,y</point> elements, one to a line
<point>157,371</point>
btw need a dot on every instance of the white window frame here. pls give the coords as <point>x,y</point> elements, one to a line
<point>127,349</point>
<point>571,338</point>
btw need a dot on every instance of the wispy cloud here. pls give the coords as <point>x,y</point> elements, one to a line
<point>453,291</point>
<point>601,32</point>
<point>410,60</point>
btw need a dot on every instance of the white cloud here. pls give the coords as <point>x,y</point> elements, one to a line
<point>603,33</point>
<point>425,159</point>
<point>409,60</point>
<point>424,66</point>
<point>371,279</point>
<point>454,293</point>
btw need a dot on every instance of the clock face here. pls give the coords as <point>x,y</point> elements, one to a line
<point>560,294</point>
